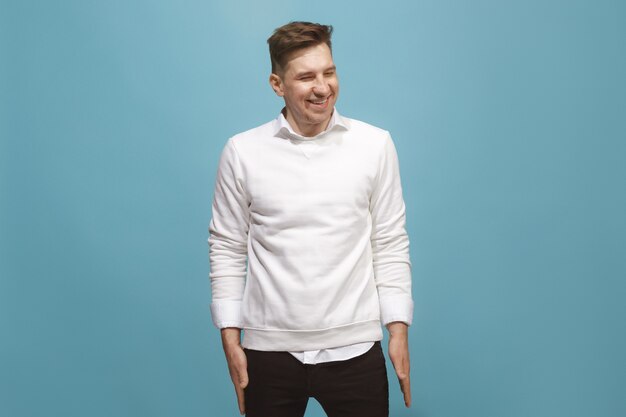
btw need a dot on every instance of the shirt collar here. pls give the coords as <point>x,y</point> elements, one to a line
<point>283,129</point>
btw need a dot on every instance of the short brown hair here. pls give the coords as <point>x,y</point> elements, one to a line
<point>293,36</point>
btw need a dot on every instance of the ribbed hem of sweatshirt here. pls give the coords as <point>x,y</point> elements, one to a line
<point>396,308</point>
<point>226,313</point>
<point>299,340</point>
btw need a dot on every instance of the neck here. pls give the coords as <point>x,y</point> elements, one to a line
<point>307,130</point>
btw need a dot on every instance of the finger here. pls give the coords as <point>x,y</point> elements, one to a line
<point>240,381</point>
<point>240,400</point>
<point>405,387</point>
<point>403,373</point>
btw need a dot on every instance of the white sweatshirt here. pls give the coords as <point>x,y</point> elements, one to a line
<point>321,224</point>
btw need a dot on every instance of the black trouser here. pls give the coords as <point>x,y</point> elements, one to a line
<point>280,385</point>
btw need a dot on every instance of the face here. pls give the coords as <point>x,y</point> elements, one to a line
<point>310,87</point>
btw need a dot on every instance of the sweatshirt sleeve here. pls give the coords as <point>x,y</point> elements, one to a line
<point>228,237</point>
<point>390,242</point>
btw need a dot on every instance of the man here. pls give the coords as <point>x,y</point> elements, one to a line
<point>308,248</point>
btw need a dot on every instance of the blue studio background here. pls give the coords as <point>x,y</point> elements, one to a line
<point>509,118</point>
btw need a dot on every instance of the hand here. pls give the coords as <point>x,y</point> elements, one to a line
<point>237,363</point>
<point>399,354</point>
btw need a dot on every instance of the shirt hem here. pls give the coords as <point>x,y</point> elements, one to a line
<point>298,340</point>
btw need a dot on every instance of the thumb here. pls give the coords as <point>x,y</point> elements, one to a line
<point>243,378</point>
<point>400,366</point>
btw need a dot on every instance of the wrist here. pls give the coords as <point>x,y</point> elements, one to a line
<point>397,328</point>
<point>231,336</point>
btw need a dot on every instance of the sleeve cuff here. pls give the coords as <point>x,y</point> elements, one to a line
<point>396,308</point>
<point>226,313</point>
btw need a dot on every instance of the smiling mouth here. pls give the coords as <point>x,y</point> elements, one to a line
<point>319,102</point>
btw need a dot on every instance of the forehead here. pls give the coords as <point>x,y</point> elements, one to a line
<point>313,58</point>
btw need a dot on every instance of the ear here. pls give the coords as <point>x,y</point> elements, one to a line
<point>277,84</point>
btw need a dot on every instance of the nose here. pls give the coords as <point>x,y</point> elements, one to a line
<point>321,87</point>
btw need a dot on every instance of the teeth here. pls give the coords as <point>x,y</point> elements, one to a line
<point>319,102</point>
